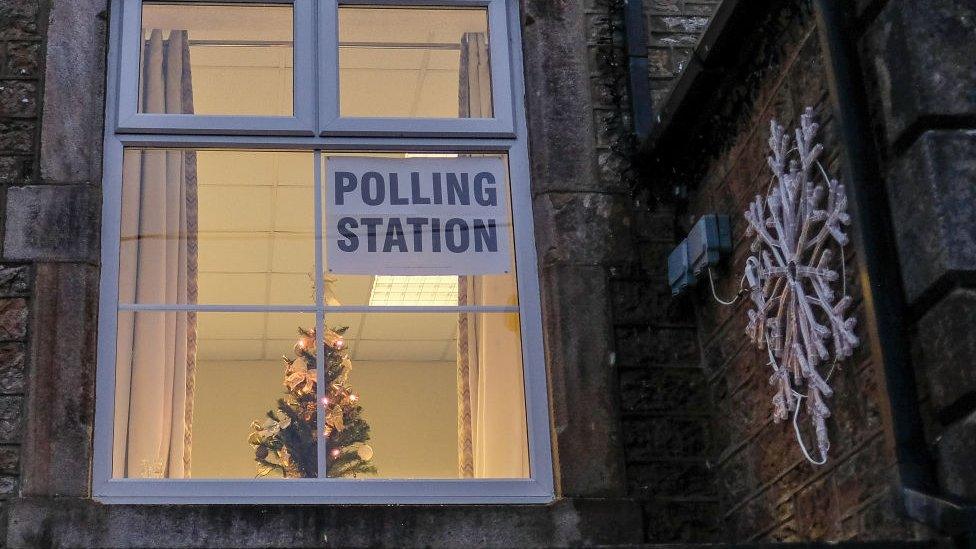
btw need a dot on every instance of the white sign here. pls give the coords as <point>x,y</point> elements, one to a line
<point>417,216</point>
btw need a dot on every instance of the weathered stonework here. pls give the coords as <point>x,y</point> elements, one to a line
<point>932,192</point>
<point>922,73</point>
<point>660,410</point>
<point>674,27</point>
<point>945,347</point>
<point>958,476</point>
<point>51,223</point>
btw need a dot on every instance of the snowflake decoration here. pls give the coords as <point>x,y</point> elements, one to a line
<point>797,313</point>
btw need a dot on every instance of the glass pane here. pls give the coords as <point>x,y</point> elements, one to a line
<point>217,227</point>
<point>414,62</point>
<point>218,59</point>
<point>385,269</point>
<point>194,390</point>
<point>441,394</point>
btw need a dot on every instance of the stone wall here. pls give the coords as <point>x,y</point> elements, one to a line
<point>22,26</point>
<point>922,81</point>
<point>673,28</point>
<point>663,402</point>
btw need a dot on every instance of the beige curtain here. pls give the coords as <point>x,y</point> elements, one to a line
<point>474,92</point>
<point>158,258</point>
<point>492,433</point>
<point>492,438</point>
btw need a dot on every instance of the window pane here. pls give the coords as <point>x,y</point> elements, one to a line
<point>218,59</point>
<point>193,392</point>
<point>217,227</point>
<point>442,394</point>
<point>414,62</point>
<point>421,284</point>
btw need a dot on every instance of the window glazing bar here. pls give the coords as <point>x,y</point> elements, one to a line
<point>315,308</point>
<point>320,352</point>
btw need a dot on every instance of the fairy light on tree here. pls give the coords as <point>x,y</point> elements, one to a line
<point>286,441</point>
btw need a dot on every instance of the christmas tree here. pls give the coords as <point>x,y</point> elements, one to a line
<point>286,441</point>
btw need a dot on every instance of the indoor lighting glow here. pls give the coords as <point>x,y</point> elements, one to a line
<point>414,290</point>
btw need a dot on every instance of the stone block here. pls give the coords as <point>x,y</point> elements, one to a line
<point>582,228</point>
<point>922,61</point>
<point>9,460</point>
<point>13,319</point>
<point>679,24</point>
<point>51,223</point>
<point>17,135</point>
<point>581,369</point>
<point>22,59</point>
<point>689,478</point>
<point>560,121</point>
<point>14,280</point>
<point>677,520</point>
<point>11,418</point>
<point>642,346</point>
<point>18,19</point>
<point>663,390</point>
<point>12,371</point>
<point>664,6</point>
<point>61,384</point>
<point>18,98</point>
<point>8,486</point>
<point>74,92</point>
<point>647,301</point>
<point>15,169</point>
<point>931,195</point>
<point>956,451</point>
<point>945,348</point>
<point>659,62</point>
<point>651,438</point>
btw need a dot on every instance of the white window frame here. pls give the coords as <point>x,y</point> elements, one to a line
<point>501,125</point>
<point>302,122</point>
<point>187,131</point>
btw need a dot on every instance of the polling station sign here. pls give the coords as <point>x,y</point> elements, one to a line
<point>417,216</point>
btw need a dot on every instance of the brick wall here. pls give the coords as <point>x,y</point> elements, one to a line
<point>701,448</point>
<point>21,58</point>
<point>768,489</point>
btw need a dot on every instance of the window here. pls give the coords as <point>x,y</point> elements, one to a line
<point>319,279</point>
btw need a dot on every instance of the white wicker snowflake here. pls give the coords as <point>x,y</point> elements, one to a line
<point>798,317</point>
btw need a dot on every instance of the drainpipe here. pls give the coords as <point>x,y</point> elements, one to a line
<point>640,93</point>
<point>883,293</point>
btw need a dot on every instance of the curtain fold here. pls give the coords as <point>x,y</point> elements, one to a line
<point>472,103</point>
<point>158,258</point>
<point>474,91</point>
<point>492,436</point>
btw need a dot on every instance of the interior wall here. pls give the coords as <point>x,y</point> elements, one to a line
<point>411,408</point>
<point>228,396</point>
